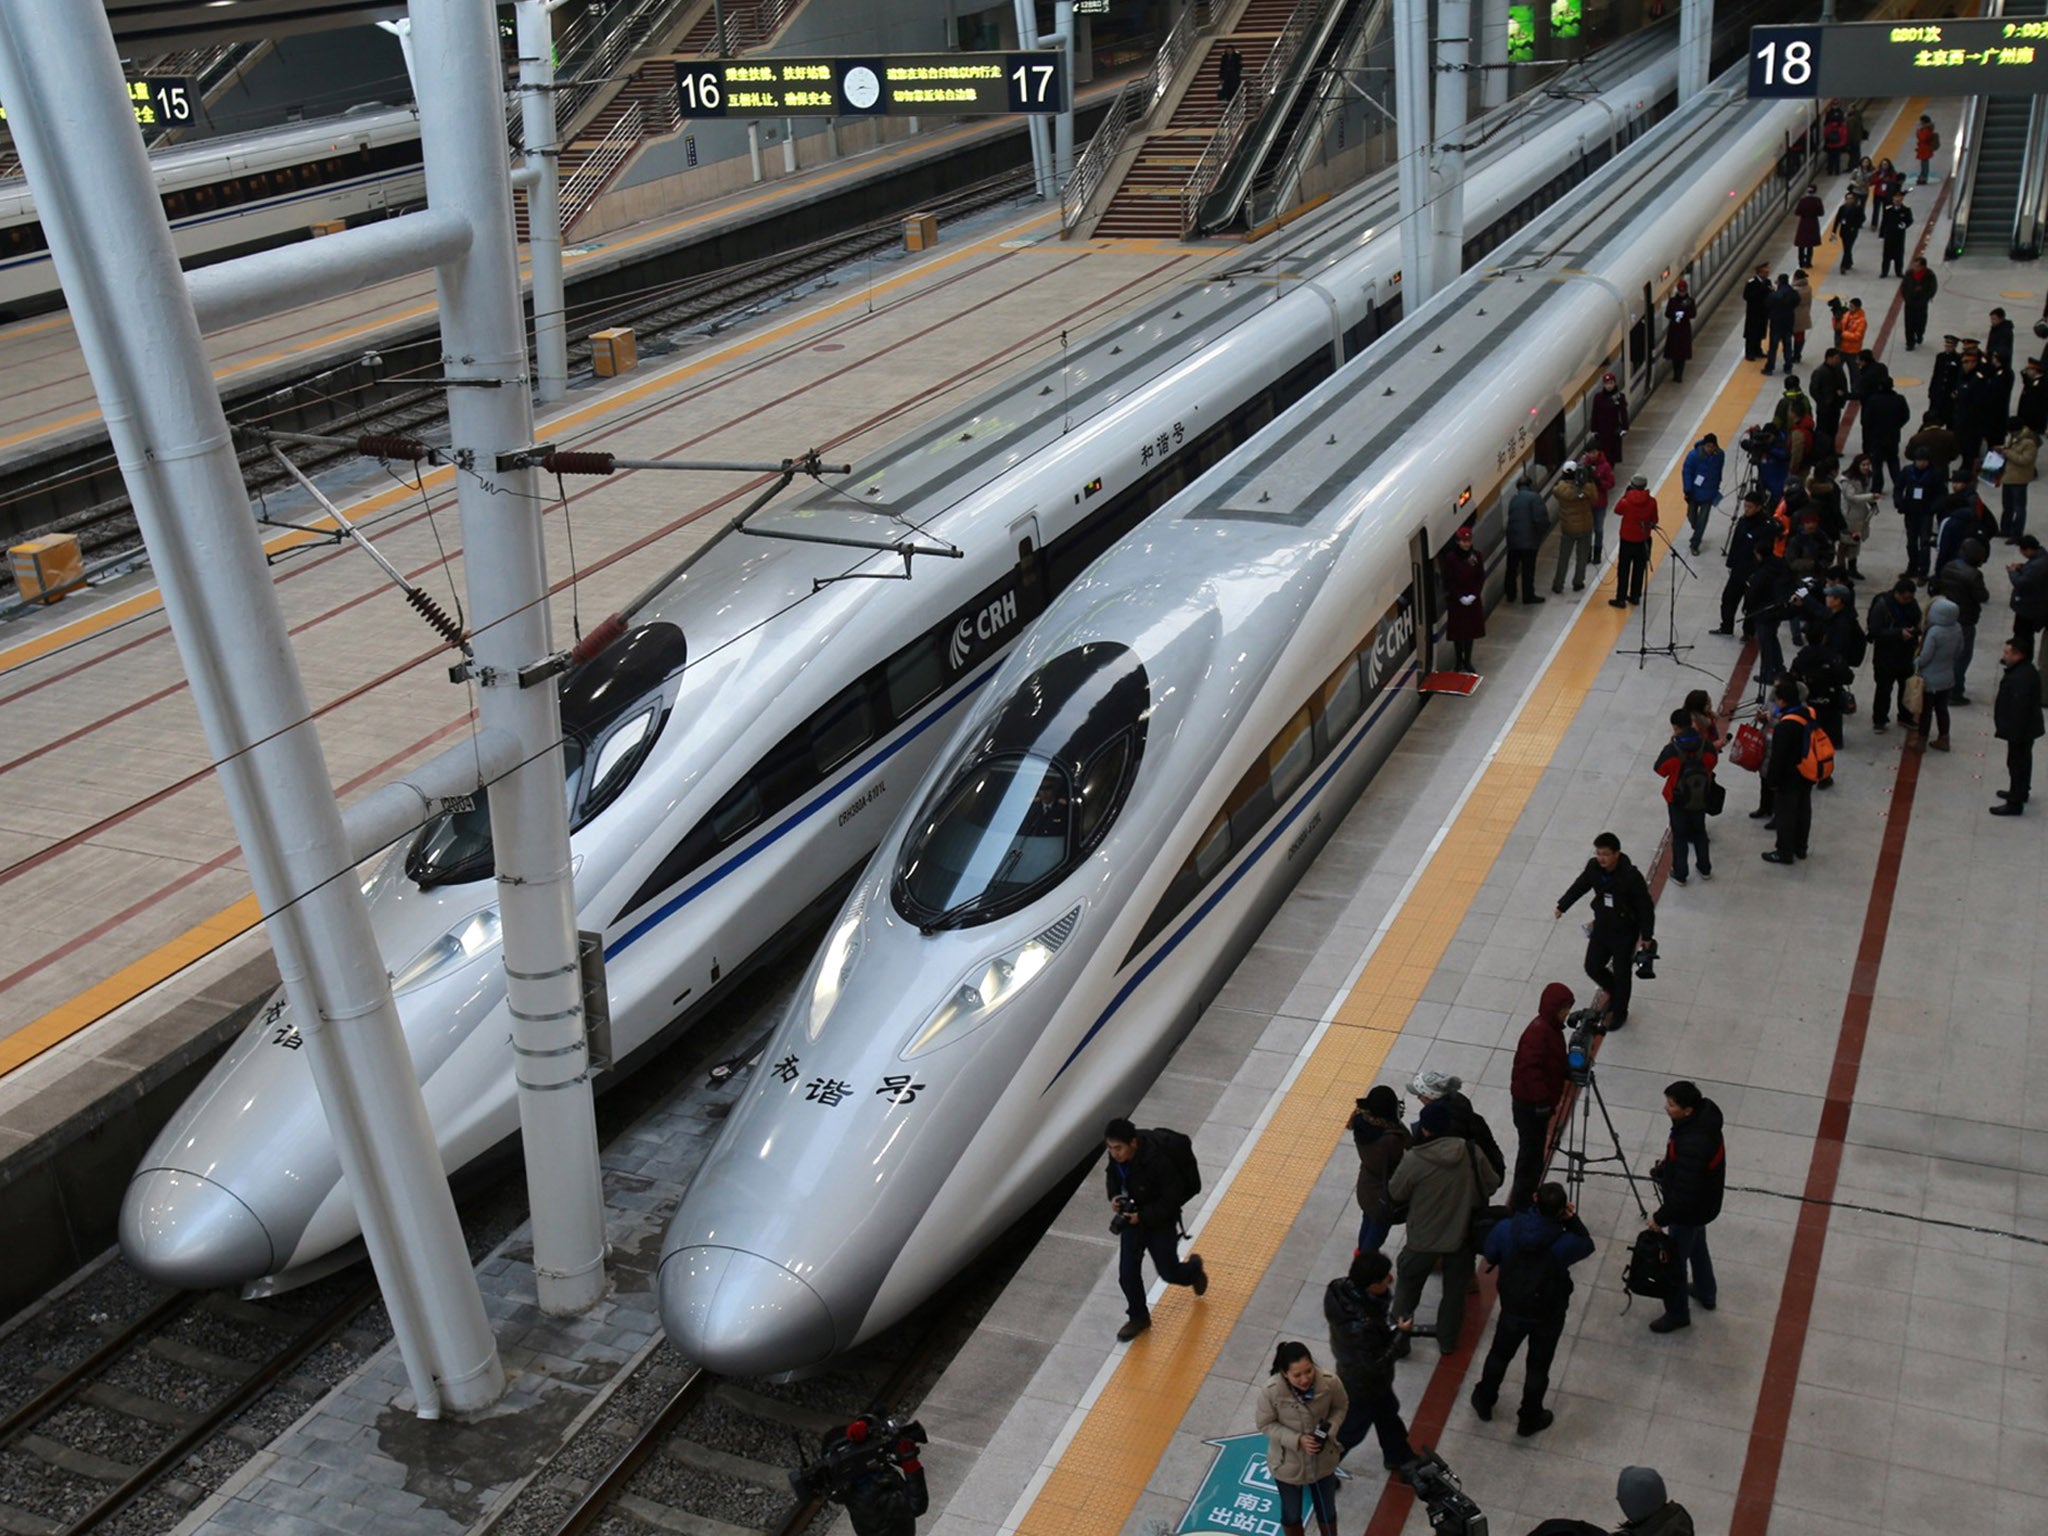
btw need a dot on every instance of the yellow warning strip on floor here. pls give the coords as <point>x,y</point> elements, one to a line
<point>555,426</point>
<point>127,984</point>
<point>1111,1457</point>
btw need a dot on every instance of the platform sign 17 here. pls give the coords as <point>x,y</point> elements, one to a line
<point>1784,61</point>
<point>900,85</point>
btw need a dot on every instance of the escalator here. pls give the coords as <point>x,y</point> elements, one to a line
<point>1998,202</point>
<point>1340,34</point>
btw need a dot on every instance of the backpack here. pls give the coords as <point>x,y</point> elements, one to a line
<point>1180,1157</point>
<point>1691,789</point>
<point>1859,646</point>
<point>1652,1268</point>
<point>1534,1284</point>
<point>1933,139</point>
<point>1818,765</point>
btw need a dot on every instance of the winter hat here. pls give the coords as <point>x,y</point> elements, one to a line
<point>1437,1119</point>
<point>1640,1492</point>
<point>1837,590</point>
<point>1383,1103</point>
<point>1639,484</point>
<point>1432,1084</point>
<point>1555,996</point>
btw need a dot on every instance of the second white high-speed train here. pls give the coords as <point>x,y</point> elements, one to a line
<point>1152,768</point>
<point>735,756</point>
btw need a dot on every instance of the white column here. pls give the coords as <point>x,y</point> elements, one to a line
<point>754,148</point>
<point>461,120</point>
<point>789,145</point>
<point>1447,162</point>
<point>1411,136</point>
<point>1695,47</point>
<point>60,76</point>
<point>543,198</point>
<point>1493,53</point>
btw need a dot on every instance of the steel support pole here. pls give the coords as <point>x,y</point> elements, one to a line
<point>483,340</point>
<point>61,78</point>
<point>1411,137</point>
<point>1447,158</point>
<point>789,145</point>
<point>1695,47</point>
<point>1063,125</point>
<point>543,199</point>
<point>1493,53</point>
<point>754,149</point>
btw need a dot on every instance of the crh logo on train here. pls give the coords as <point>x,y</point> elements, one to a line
<point>983,625</point>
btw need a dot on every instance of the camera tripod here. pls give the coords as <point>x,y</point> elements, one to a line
<point>1574,1135</point>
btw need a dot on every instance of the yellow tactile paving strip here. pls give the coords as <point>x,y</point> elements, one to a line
<point>1120,1441</point>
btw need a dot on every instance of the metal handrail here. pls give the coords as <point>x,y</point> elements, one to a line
<point>1315,122</point>
<point>1180,42</point>
<point>2027,213</point>
<point>1091,166</point>
<point>582,189</point>
<point>1230,127</point>
<point>1968,133</point>
<point>602,47</point>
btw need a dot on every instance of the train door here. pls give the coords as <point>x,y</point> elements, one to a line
<point>1030,564</point>
<point>1422,567</point>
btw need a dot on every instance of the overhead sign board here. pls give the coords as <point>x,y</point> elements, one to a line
<point>1997,55</point>
<point>894,85</point>
<point>159,102</point>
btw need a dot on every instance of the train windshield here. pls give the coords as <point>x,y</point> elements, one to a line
<point>1036,793</point>
<point>613,708</point>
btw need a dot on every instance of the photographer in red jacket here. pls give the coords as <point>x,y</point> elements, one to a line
<point>1637,510</point>
<point>1535,1088</point>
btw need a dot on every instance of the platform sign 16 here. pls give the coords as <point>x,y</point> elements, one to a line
<point>901,85</point>
<point>1784,61</point>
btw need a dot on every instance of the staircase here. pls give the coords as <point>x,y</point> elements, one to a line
<point>746,26</point>
<point>1150,203</point>
<point>1995,188</point>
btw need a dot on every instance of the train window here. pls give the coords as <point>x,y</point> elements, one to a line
<point>842,727</point>
<point>455,847</point>
<point>1213,851</point>
<point>739,810</point>
<point>625,682</point>
<point>176,205</point>
<point>230,193</point>
<point>1343,700</point>
<point>202,199</point>
<point>1290,755</point>
<point>913,675</point>
<point>1250,804</point>
<point>1037,789</point>
<point>284,178</point>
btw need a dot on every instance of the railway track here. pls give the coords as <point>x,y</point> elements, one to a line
<point>106,1439</point>
<point>376,394</point>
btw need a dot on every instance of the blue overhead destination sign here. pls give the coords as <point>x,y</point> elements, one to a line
<point>1995,55</point>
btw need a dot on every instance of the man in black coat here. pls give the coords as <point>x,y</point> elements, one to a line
<point>2033,402</point>
<point>1893,220</point>
<point>1941,379</point>
<point>1756,312</point>
<point>1781,313</point>
<point>1894,629</point>
<point>1791,791</point>
<point>1750,529</point>
<point>1969,407</point>
<point>2016,717</point>
<point>1885,416</point>
<point>1145,1199</point>
<point>1998,339</point>
<point>1767,603</point>
<point>1362,1340</point>
<point>1624,921</point>
<point>2029,576</point>
<point>1918,289</point>
<point>1961,581</point>
<point>1691,1181</point>
<point>1829,387</point>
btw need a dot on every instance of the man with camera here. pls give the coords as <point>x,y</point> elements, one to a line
<point>1148,1182</point>
<point>1624,927</point>
<point>1362,1338</point>
<point>1534,1251</point>
<point>1691,1180</point>
<point>871,1469</point>
<point>1576,497</point>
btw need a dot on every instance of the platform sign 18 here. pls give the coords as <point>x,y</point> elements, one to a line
<point>1968,57</point>
<point>898,85</point>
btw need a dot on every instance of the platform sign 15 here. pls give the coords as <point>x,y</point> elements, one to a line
<point>1968,57</point>
<point>897,85</point>
<point>159,102</point>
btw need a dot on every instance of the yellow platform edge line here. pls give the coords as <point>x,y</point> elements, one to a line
<point>1094,1488</point>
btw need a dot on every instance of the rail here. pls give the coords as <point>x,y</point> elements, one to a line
<point>582,189</point>
<point>1259,87</point>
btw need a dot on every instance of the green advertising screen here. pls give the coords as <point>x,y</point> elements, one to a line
<point>1521,34</point>
<point>1565,17</point>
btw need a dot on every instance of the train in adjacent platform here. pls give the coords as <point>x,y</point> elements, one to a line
<point>735,756</point>
<point>1153,766</point>
<point>237,193</point>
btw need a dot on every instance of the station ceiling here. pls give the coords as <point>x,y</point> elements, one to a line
<point>164,26</point>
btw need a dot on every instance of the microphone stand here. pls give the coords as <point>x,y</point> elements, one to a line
<point>1644,650</point>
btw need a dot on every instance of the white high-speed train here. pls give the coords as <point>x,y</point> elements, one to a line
<point>1153,766</point>
<point>737,754</point>
<point>238,192</point>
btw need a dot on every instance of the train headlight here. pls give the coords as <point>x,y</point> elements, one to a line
<point>835,965</point>
<point>465,941</point>
<point>981,992</point>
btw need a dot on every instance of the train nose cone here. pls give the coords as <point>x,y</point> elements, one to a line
<point>183,1230</point>
<point>742,1315</point>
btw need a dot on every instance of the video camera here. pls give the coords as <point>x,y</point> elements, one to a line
<point>1758,443</point>
<point>1123,1214</point>
<point>1452,1511</point>
<point>1584,1028</point>
<point>1646,962</point>
<point>871,1468</point>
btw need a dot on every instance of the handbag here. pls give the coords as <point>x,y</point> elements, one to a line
<point>1913,697</point>
<point>1717,797</point>
<point>1747,750</point>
